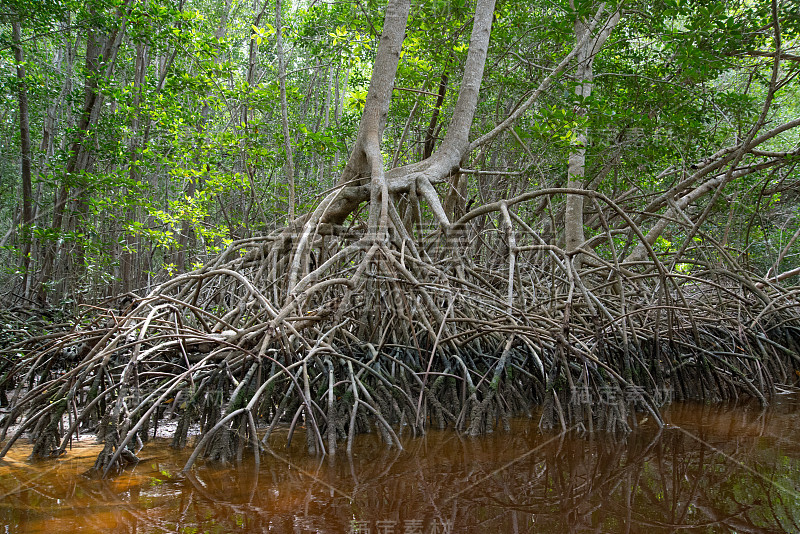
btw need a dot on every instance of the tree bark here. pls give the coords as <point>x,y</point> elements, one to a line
<point>430,136</point>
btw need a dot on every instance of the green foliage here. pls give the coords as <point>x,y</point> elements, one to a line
<point>194,140</point>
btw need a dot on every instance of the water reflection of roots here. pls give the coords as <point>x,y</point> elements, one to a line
<point>343,333</point>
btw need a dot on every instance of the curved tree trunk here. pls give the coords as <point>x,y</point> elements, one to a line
<point>444,162</point>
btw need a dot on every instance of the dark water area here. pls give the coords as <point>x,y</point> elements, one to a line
<point>712,469</point>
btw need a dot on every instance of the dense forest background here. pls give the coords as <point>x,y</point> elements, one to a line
<point>140,137</point>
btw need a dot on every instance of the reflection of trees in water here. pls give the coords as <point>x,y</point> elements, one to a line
<point>660,483</point>
<point>663,482</point>
<point>55,497</point>
<point>747,482</point>
<point>521,481</point>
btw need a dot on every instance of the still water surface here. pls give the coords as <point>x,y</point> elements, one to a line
<point>713,469</point>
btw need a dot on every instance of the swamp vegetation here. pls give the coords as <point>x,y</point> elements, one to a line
<point>469,210</point>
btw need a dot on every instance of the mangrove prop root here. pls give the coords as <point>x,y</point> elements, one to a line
<point>352,333</point>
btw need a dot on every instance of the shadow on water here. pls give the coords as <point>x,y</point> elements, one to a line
<point>713,469</point>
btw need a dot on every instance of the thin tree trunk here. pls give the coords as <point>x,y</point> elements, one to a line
<point>588,47</point>
<point>287,141</point>
<point>25,147</point>
<point>80,159</point>
<point>430,136</point>
<point>102,62</point>
<point>718,179</point>
<point>47,147</point>
<point>127,257</point>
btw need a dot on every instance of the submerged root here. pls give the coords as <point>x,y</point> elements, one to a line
<point>47,433</point>
<point>341,334</point>
<point>112,459</point>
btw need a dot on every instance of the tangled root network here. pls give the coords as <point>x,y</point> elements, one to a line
<point>340,332</point>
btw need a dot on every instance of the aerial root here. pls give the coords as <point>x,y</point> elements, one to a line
<point>393,337</point>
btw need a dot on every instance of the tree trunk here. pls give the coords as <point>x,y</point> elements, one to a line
<point>287,140</point>
<point>588,46</point>
<point>444,162</point>
<point>80,158</point>
<point>126,262</point>
<point>719,178</point>
<point>186,235</point>
<point>430,136</point>
<point>25,148</point>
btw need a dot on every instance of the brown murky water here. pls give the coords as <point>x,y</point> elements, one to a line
<point>714,469</point>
